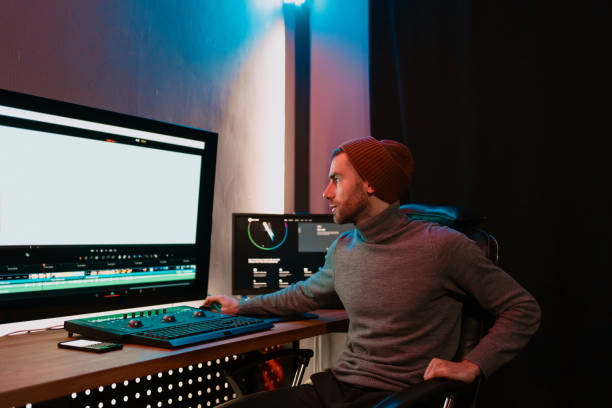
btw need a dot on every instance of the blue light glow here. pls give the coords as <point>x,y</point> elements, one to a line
<point>295,2</point>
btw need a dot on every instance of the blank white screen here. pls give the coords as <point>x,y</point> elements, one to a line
<point>65,190</point>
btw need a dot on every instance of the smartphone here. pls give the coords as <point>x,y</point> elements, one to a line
<point>90,345</point>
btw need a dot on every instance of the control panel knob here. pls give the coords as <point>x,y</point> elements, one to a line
<point>169,318</point>
<point>134,323</point>
<point>198,313</point>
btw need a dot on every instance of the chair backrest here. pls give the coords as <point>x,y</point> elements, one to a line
<point>458,218</point>
<point>475,321</point>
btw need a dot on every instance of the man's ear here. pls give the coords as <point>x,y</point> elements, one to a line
<point>370,190</point>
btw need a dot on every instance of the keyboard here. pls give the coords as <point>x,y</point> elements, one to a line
<point>168,328</point>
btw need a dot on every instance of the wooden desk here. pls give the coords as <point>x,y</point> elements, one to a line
<point>34,369</point>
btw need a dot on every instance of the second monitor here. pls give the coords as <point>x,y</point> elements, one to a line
<point>272,251</point>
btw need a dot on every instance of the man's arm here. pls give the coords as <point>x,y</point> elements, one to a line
<point>517,314</point>
<point>314,293</point>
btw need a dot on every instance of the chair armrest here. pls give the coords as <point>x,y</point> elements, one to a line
<point>427,391</point>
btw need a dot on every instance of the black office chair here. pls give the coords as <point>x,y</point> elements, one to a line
<point>440,392</point>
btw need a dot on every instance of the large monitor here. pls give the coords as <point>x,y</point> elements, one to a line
<point>99,210</point>
<point>272,251</point>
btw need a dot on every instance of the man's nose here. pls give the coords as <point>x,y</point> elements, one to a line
<point>327,192</point>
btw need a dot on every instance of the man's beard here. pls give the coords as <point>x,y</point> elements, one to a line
<point>352,208</point>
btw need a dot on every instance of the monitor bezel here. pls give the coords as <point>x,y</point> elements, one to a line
<point>73,304</point>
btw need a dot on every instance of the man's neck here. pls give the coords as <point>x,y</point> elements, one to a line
<point>375,206</point>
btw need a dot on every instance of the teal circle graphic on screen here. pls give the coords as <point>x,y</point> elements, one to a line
<point>267,235</point>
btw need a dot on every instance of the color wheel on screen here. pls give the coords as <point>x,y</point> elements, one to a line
<point>267,235</point>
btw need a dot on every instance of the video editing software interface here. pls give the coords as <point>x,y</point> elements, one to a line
<point>88,207</point>
<point>272,251</point>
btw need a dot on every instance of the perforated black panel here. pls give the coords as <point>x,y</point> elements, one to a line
<point>197,385</point>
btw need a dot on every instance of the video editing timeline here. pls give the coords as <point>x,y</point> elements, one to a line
<point>273,251</point>
<point>44,270</point>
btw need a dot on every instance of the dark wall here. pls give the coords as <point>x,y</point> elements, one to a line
<point>506,108</point>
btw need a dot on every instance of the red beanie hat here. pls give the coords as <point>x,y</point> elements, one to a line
<point>386,164</point>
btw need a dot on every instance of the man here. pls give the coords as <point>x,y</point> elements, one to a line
<point>400,282</point>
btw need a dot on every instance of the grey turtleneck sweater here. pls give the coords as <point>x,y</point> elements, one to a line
<point>401,283</point>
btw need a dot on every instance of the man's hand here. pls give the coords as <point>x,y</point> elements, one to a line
<point>465,371</point>
<point>228,304</point>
